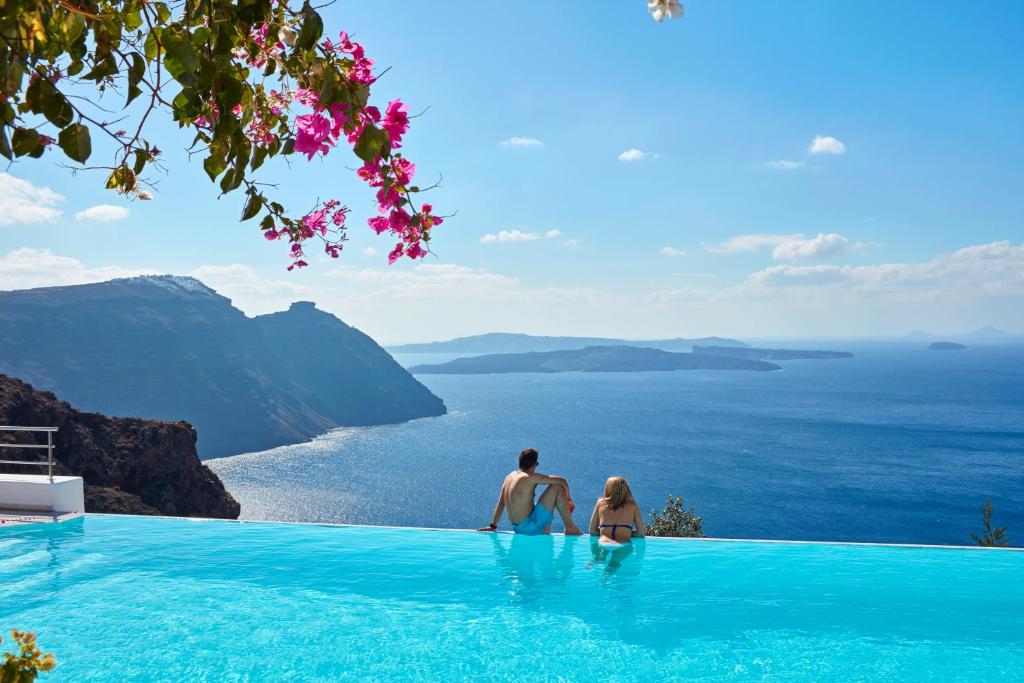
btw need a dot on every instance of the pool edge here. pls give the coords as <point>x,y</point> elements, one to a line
<point>654,538</point>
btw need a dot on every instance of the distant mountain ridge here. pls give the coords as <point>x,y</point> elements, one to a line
<point>507,342</point>
<point>169,347</point>
<point>986,333</point>
<point>591,359</point>
<point>770,354</point>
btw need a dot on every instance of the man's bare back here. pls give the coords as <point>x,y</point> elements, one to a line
<point>518,491</point>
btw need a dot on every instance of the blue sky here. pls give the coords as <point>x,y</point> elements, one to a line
<point>721,221</point>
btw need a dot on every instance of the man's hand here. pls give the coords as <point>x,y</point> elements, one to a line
<point>493,527</point>
<point>572,505</point>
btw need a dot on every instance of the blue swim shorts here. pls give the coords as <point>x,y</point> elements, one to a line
<point>536,522</point>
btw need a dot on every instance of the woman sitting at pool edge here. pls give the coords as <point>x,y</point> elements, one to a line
<point>616,517</point>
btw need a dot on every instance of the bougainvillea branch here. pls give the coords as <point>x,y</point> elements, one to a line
<point>252,80</point>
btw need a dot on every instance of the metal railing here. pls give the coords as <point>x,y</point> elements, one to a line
<point>48,446</point>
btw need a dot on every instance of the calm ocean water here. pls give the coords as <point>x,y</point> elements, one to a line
<point>899,444</point>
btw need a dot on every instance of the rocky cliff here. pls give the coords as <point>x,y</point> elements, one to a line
<point>129,465</point>
<point>170,348</point>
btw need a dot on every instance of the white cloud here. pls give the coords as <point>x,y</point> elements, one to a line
<point>26,268</point>
<point>785,165</point>
<point>829,245</point>
<point>672,251</point>
<point>102,213</point>
<point>370,251</point>
<point>743,243</point>
<point>509,236</point>
<point>521,142</point>
<point>826,144</point>
<point>22,202</point>
<point>251,292</point>
<point>571,243</point>
<point>994,267</point>
<point>788,247</point>
<point>518,236</point>
<point>633,155</point>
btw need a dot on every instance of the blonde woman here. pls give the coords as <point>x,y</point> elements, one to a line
<point>616,517</point>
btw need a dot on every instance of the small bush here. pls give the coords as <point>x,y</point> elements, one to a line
<point>25,666</point>
<point>991,537</point>
<point>676,520</point>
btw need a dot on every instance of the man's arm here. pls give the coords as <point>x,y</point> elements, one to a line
<point>551,479</point>
<point>498,509</point>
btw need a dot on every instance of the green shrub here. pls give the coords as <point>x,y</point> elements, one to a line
<point>991,537</point>
<point>676,520</point>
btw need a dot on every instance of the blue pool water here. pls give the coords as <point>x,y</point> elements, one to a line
<point>148,599</point>
<point>899,444</point>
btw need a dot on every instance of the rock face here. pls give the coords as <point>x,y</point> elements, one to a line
<point>504,342</point>
<point>592,359</point>
<point>770,354</point>
<point>170,348</point>
<point>129,465</point>
<point>343,374</point>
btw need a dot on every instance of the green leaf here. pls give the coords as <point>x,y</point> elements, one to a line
<point>163,12</point>
<point>106,66</point>
<point>152,46</point>
<point>252,206</point>
<point>58,110</point>
<point>75,142</point>
<point>312,28</point>
<point>132,19</point>
<point>180,58</point>
<point>259,155</point>
<point>201,36</point>
<point>135,73</point>
<point>25,141</point>
<point>232,179</point>
<point>141,157</point>
<point>372,143</point>
<point>74,24</point>
<point>214,165</point>
<point>44,98</point>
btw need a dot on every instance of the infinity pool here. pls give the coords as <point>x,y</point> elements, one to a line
<point>150,599</point>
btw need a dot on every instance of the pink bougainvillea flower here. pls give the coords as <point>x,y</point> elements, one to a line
<point>415,251</point>
<point>396,253</point>
<point>316,221</point>
<point>370,172</point>
<point>307,97</point>
<point>396,122</point>
<point>398,220</point>
<point>378,224</point>
<point>387,199</point>
<point>313,136</point>
<point>404,170</point>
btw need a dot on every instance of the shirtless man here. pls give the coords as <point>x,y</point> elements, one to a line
<point>517,493</point>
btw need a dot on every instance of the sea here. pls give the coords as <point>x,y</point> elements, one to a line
<point>898,444</point>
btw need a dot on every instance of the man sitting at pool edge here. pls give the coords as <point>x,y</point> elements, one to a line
<point>518,492</point>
